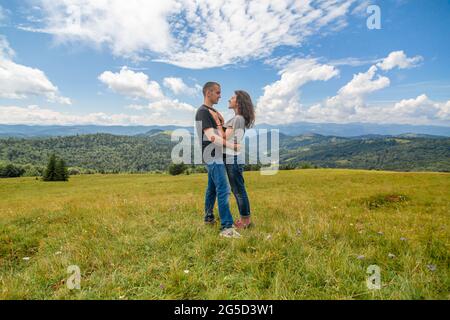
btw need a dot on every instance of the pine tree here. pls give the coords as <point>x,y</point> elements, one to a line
<point>177,169</point>
<point>62,173</point>
<point>50,171</point>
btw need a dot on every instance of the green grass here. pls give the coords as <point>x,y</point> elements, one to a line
<point>133,237</point>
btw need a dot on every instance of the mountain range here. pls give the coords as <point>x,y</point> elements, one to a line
<point>294,129</point>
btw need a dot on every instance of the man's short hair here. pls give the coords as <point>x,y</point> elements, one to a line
<point>208,86</point>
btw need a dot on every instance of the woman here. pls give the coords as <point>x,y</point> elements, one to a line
<point>244,118</point>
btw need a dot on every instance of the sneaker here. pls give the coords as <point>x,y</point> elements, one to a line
<point>230,233</point>
<point>243,223</point>
<point>210,222</point>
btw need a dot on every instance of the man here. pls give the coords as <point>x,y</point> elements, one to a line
<point>212,151</point>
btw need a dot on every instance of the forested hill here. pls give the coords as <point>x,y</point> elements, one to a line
<point>149,152</point>
<point>99,152</point>
<point>400,153</point>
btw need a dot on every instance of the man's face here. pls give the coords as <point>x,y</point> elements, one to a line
<point>214,94</point>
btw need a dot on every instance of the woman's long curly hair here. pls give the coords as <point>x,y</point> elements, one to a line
<point>245,107</point>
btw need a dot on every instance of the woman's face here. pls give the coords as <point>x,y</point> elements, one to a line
<point>232,104</point>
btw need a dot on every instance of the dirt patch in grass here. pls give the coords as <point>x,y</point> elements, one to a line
<point>381,201</point>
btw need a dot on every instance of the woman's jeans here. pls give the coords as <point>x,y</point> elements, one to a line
<point>235,176</point>
<point>218,187</point>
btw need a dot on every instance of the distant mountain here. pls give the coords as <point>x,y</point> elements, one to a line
<point>151,133</point>
<point>62,131</point>
<point>357,129</point>
<point>417,135</point>
<point>152,151</point>
<point>294,129</point>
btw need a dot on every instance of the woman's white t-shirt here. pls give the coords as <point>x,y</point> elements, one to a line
<point>238,124</point>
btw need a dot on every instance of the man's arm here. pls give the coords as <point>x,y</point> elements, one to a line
<point>218,140</point>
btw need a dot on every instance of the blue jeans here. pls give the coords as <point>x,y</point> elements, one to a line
<point>236,177</point>
<point>218,187</point>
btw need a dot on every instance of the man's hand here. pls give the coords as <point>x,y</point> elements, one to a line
<point>218,118</point>
<point>221,119</point>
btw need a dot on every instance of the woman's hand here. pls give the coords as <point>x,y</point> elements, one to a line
<point>218,118</point>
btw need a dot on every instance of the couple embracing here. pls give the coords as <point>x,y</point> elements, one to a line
<point>221,150</point>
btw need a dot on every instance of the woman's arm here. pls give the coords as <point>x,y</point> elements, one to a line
<point>229,132</point>
<point>234,131</point>
<point>220,141</point>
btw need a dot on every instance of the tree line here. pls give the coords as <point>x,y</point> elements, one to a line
<point>109,154</point>
<point>56,170</point>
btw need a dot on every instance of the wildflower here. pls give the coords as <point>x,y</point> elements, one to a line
<point>432,267</point>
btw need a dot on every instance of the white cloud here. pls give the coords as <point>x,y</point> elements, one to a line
<point>423,106</point>
<point>420,110</point>
<point>351,96</point>
<point>364,83</point>
<point>19,81</point>
<point>190,33</point>
<point>6,52</point>
<point>132,84</point>
<point>400,60</point>
<point>127,27</point>
<point>35,115</point>
<point>279,62</point>
<point>353,62</point>
<point>138,85</point>
<point>177,86</point>
<point>32,115</point>
<point>165,105</point>
<point>280,101</point>
<point>350,102</point>
<point>361,9</point>
<point>396,59</point>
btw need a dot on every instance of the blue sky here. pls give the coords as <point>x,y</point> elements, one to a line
<point>141,62</point>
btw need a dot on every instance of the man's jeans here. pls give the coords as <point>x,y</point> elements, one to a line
<point>235,176</point>
<point>218,187</point>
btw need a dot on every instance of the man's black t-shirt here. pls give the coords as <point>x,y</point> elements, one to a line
<point>204,120</point>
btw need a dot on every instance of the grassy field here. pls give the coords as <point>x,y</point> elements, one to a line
<point>142,237</point>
